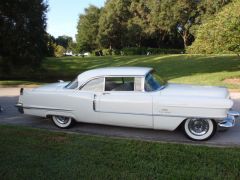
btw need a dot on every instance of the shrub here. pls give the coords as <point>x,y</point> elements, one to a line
<point>106,52</point>
<point>58,50</point>
<point>220,34</point>
<point>145,51</point>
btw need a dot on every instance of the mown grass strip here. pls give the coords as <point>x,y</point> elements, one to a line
<point>30,153</point>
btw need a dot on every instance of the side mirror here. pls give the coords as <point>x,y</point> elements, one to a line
<point>61,81</point>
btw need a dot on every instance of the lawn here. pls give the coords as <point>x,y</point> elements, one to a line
<point>194,69</point>
<point>27,153</point>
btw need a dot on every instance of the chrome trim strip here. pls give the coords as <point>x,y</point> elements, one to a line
<point>166,115</point>
<point>41,108</point>
<point>94,102</point>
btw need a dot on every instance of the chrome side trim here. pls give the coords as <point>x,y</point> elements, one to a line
<point>166,115</point>
<point>94,102</point>
<point>42,108</point>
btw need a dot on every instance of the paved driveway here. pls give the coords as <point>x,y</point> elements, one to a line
<point>10,115</point>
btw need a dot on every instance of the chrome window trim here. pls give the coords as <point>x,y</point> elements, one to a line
<point>97,77</point>
<point>83,84</point>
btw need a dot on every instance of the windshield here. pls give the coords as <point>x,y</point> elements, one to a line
<point>153,82</point>
<point>73,84</point>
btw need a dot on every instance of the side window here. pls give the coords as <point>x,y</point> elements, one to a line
<point>94,85</point>
<point>119,84</point>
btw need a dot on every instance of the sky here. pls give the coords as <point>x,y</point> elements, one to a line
<point>63,15</point>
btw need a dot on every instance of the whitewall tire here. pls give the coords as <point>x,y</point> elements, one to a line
<point>62,121</point>
<point>199,129</point>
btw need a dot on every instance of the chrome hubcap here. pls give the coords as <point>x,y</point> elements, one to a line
<point>62,119</point>
<point>198,127</point>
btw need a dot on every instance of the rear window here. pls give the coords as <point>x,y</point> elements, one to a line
<point>119,84</point>
<point>94,85</point>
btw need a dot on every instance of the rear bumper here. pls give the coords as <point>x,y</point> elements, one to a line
<point>20,107</point>
<point>230,120</point>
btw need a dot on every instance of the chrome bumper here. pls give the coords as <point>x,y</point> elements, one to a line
<point>20,107</point>
<point>230,120</point>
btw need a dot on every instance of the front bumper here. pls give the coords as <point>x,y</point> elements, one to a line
<point>20,107</point>
<point>230,120</point>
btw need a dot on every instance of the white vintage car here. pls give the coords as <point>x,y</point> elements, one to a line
<point>133,97</point>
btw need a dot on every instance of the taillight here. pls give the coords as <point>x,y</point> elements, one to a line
<point>21,91</point>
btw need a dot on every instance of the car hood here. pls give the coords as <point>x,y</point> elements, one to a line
<point>52,86</point>
<point>195,91</point>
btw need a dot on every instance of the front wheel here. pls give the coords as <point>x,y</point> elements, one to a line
<point>62,121</point>
<point>199,129</point>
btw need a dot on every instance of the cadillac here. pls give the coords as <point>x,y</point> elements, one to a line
<point>132,97</point>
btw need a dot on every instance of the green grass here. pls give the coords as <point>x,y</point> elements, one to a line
<point>27,153</point>
<point>17,83</point>
<point>194,69</point>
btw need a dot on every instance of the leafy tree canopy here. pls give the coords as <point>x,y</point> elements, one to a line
<point>140,23</point>
<point>221,33</point>
<point>87,29</point>
<point>63,41</point>
<point>22,37</point>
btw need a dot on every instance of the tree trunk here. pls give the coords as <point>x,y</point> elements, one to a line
<point>185,38</point>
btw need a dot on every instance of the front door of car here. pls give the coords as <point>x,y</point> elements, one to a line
<point>123,103</point>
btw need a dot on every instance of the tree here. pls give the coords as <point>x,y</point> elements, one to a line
<point>73,47</point>
<point>138,23</point>
<point>221,33</point>
<point>22,37</point>
<point>113,24</point>
<point>141,23</point>
<point>51,43</point>
<point>87,29</point>
<point>63,41</point>
<point>182,16</point>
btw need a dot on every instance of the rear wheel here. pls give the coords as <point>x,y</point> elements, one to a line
<point>199,129</point>
<point>62,121</point>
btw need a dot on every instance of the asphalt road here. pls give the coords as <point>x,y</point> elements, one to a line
<point>10,115</point>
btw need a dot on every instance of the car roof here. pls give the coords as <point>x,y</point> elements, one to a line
<point>113,71</point>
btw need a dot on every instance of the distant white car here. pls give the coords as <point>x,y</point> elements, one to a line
<point>84,54</point>
<point>133,97</point>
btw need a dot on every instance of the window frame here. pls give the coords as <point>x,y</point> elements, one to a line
<point>91,79</point>
<point>104,82</point>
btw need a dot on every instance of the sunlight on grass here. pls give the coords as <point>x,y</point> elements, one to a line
<point>191,69</point>
<point>180,68</point>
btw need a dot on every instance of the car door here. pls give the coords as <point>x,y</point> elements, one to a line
<point>124,103</point>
